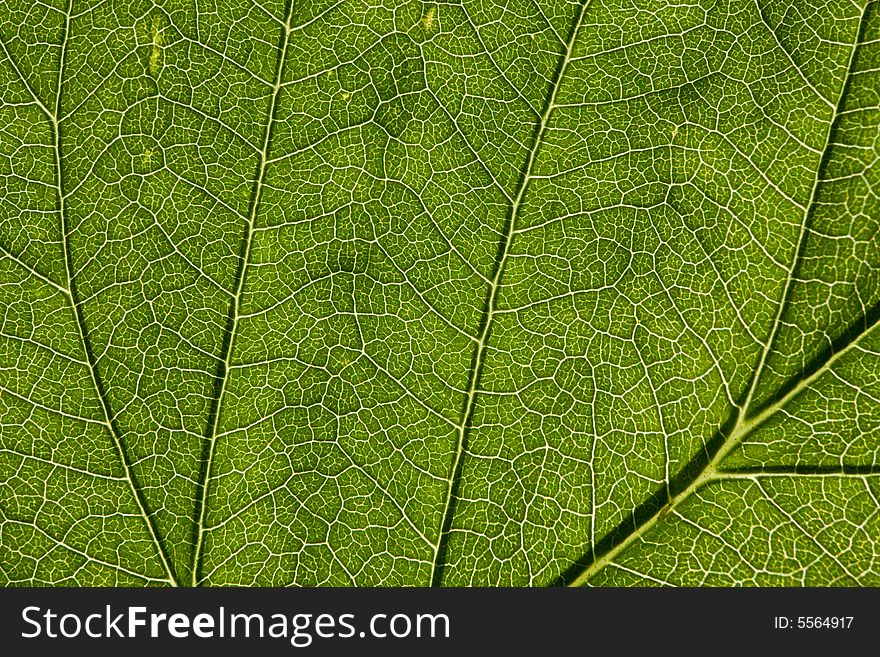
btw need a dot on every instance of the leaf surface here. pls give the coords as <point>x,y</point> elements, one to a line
<point>466,293</point>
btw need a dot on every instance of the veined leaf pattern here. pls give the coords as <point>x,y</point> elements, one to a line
<point>439,293</point>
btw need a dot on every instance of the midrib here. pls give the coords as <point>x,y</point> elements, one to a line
<point>222,375</point>
<point>745,423</point>
<point>471,393</point>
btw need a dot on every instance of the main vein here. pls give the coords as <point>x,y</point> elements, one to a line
<point>222,374</point>
<point>76,304</point>
<point>748,420</point>
<point>479,359</point>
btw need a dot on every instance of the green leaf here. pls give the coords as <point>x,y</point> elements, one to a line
<point>409,293</point>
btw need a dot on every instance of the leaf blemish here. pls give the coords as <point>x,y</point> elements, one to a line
<point>427,21</point>
<point>157,48</point>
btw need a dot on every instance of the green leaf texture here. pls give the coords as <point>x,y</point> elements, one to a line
<point>471,292</point>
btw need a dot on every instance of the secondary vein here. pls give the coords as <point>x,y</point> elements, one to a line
<point>490,304</point>
<point>224,365</point>
<point>82,331</point>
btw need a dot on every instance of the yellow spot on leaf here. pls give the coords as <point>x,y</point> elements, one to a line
<point>157,47</point>
<point>427,21</point>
